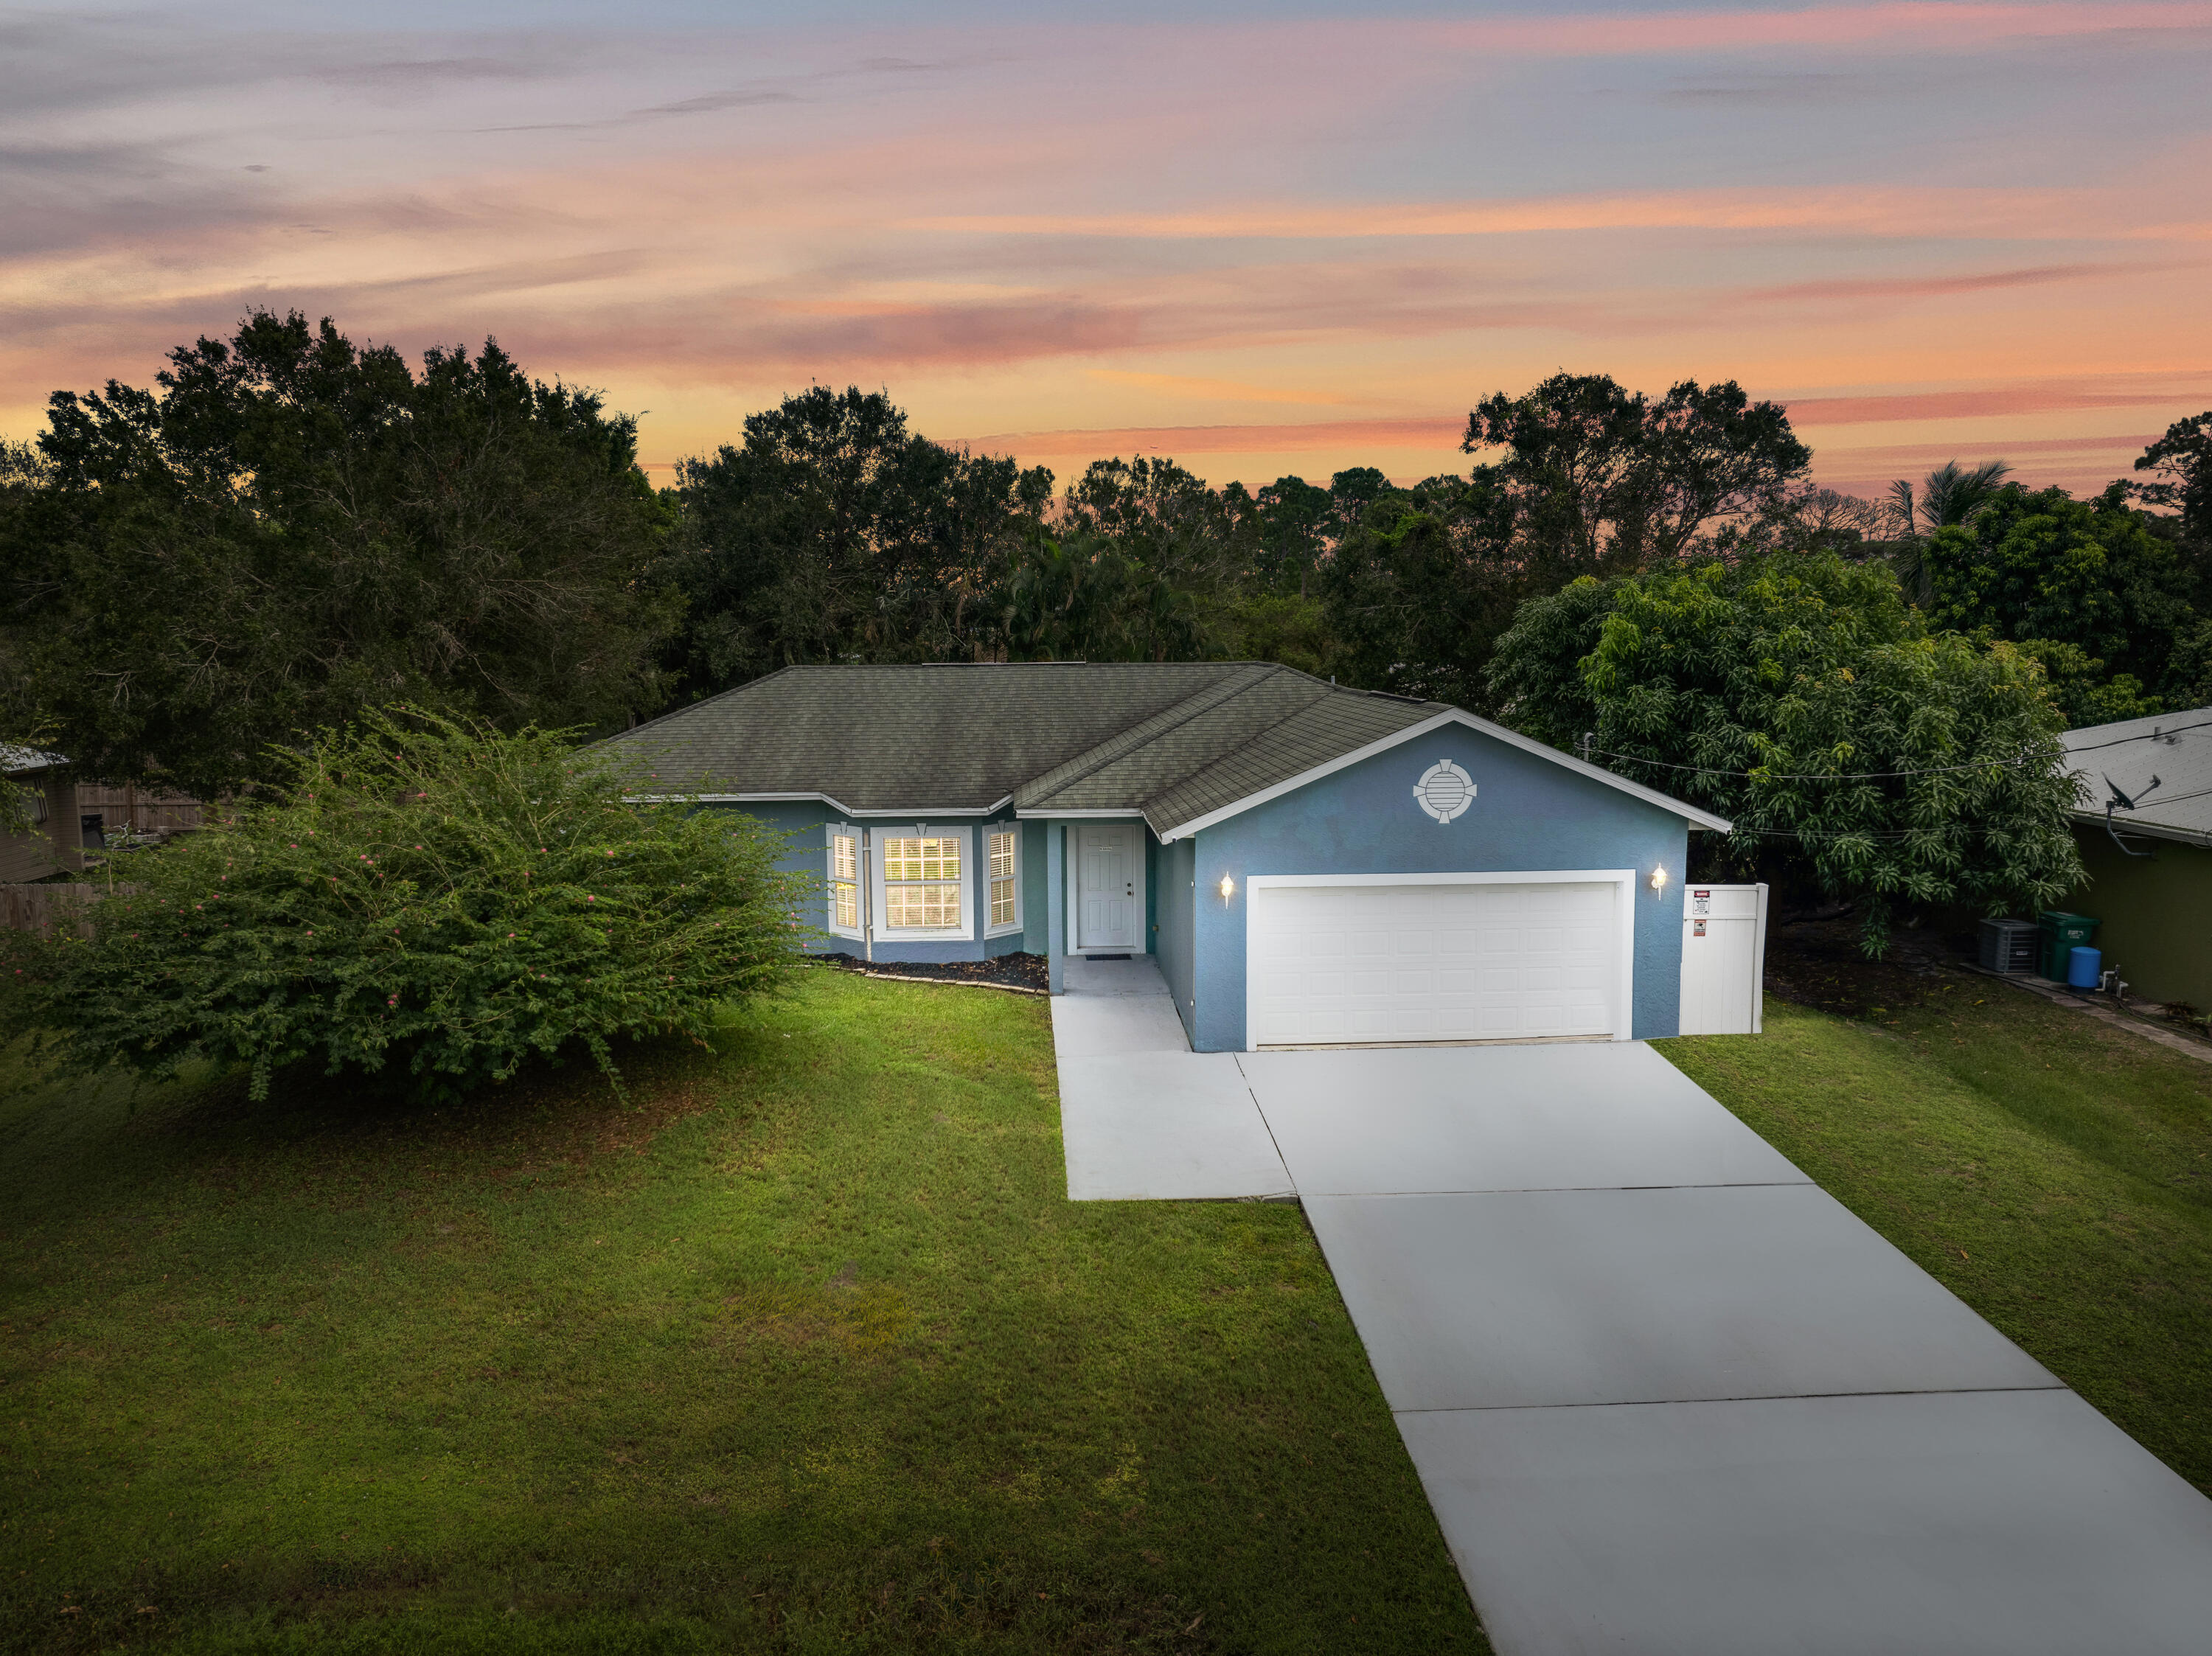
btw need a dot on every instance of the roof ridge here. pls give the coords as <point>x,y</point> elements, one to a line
<point>1324,692</point>
<point>1124,742</point>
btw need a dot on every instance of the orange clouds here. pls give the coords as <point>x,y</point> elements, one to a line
<point>1975,225</point>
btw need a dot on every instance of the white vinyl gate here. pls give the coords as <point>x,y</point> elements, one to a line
<point>1723,959</point>
<point>1363,959</point>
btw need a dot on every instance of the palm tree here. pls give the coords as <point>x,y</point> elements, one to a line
<point>1949,494</point>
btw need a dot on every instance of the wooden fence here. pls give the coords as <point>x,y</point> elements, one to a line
<point>46,905</point>
<point>142,810</point>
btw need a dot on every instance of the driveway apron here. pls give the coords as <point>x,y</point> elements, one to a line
<point>1666,1396</point>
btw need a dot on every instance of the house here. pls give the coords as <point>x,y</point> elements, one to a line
<point>2144,827</point>
<point>1309,864</point>
<point>54,842</point>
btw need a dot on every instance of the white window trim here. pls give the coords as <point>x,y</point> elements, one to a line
<point>1623,880</point>
<point>858,929</point>
<point>984,838</point>
<point>885,933</point>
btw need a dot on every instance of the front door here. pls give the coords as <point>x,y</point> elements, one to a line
<point>1110,888</point>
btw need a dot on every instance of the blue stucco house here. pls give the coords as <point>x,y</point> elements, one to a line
<point>1311,864</point>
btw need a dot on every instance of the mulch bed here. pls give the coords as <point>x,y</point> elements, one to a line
<point>1003,971</point>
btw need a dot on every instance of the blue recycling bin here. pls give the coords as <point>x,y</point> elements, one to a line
<point>2085,968</point>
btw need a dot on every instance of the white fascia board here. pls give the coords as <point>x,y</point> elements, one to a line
<point>902,813</point>
<point>1124,814</point>
<point>1689,813</point>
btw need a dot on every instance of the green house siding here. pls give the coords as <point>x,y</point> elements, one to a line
<point>2156,914</point>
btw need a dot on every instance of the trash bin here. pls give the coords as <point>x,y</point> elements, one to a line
<point>2062,931</point>
<point>2085,968</point>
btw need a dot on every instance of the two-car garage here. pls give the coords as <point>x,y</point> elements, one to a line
<point>1354,958</point>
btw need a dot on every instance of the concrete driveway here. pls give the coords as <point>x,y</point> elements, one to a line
<point>1664,1393</point>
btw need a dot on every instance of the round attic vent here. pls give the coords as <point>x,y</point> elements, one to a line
<point>1445,791</point>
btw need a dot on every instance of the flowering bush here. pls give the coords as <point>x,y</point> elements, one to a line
<point>432,902</point>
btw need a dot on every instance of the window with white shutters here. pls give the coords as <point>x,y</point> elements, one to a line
<point>1005,879</point>
<point>844,880</point>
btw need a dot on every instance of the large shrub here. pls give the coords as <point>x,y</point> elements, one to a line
<point>431,902</point>
<point>1860,754</point>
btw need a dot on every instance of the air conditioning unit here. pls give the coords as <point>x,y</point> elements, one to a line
<point>2008,946</point>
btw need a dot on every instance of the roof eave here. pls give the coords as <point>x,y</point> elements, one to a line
<point>1690,814</point>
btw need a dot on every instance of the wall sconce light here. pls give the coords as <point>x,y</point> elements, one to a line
<point>1658,879</point>
<point>1228,888</point>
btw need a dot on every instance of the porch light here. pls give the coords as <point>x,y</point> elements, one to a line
<point>1658,878</point>
<point>1228,888</point>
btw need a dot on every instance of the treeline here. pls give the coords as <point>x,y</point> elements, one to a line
<point>290,528</point>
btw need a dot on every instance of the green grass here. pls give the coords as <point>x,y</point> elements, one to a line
<point>2054,1173</point>
<point>801,1350</point>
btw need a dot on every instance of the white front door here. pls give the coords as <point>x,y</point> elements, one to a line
<point>1110,888</point>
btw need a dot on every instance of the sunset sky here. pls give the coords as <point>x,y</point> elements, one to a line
<point>1259,238</point>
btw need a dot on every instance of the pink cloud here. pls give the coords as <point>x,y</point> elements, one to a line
<point>1974,27</point>
<point>2038,397</point>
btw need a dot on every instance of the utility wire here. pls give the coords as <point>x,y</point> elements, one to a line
<point>1876,776</point>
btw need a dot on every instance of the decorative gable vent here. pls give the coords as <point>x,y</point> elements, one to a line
<point>1445,791</point>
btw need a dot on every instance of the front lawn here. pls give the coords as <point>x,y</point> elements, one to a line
<point>2053,1173</point>
<point>801,1349</point>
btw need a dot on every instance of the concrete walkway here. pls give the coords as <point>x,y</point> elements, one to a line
<point>1141,1116</point>
<point>1664,1393</point>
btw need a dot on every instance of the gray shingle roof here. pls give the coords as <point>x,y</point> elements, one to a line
<point>1173,742</point>
<point>2176,747</point>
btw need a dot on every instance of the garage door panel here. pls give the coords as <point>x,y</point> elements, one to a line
<point>1445,962</point>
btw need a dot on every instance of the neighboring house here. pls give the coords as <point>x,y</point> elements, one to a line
<point>1309,864</point>
<point>54,842</point>
<point>2149,857</point>
<point>69,817</point>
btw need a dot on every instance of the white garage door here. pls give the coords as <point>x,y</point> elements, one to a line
<point>1334,964</point>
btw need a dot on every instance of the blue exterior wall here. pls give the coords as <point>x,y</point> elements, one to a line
<point>806,852</point>
<point>1528,813</point>
<point>1176,905</point>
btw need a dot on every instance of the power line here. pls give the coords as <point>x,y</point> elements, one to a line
<point>1881,776</point>
<point>1812,776</point>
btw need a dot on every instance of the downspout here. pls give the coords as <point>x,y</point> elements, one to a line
<point>868,895</point>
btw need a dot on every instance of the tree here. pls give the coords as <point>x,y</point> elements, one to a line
<point>2084,690</point>
<point>1601,479</point>
<point>1806,520</point>
<point>429,902</point>
<point>291,528</point>
<point>2041,565</point>
<point>2181,484</point>
<point>833,533</point>
<point>1859,754</point>
<point>1414,606</point>
<point>1077,597</point>
<point>1948,496</point>
<point>1293,530</point>
<point>2181,464</point>
<point>1167,519</point>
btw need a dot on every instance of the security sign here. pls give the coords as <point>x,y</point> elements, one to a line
<point>1445,791</point>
